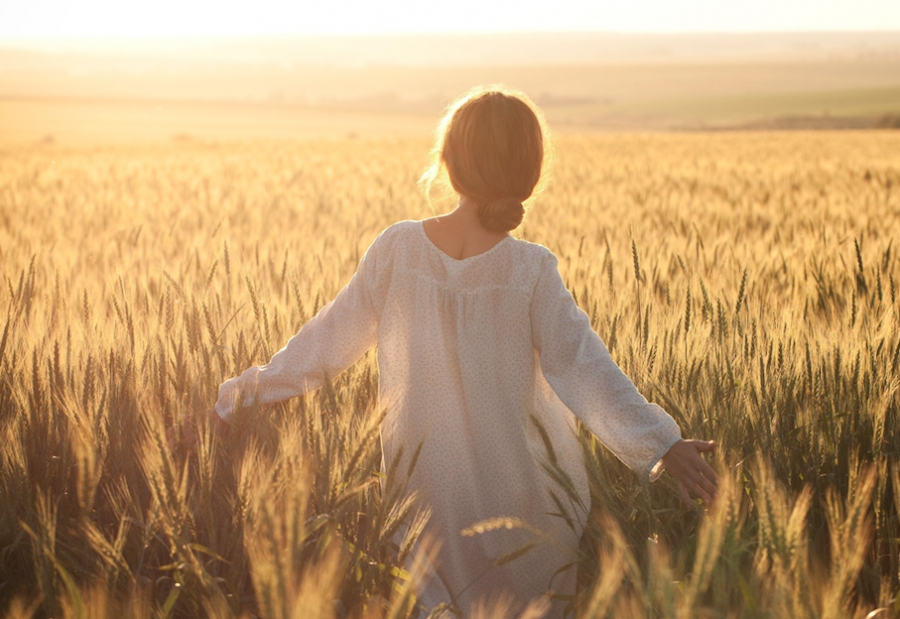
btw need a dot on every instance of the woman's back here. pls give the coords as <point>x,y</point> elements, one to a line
<point>458,374</point>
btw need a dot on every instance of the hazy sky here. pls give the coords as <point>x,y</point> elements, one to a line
<point>133,18</point>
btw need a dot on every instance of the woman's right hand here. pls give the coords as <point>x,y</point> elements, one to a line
<point>189,432</point>
<point>693,476</point>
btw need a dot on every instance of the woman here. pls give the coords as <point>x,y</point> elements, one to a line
<point>479,344</point>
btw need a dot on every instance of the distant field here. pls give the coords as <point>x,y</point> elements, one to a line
<point>86,121</point>
<point>855,108</point>
<point>68,121</point>
<point>221,90</point>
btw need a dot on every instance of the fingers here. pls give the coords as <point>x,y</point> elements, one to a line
<point>708,473</point>
<point>697,485</point>
<point>694,476</point>
<point>703,470</point>
<point>704,490</point>
<point>698,489</point>
<point>184,436</point>
<point>220,425</point>
<point>685,497</point>
<point>706,482</point>
<point>699,463</point>
<point>704,446</point>
<point>172,438</point>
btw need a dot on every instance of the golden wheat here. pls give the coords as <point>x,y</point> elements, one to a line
<point>748,283</point>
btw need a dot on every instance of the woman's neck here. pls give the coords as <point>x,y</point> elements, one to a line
<point>465,214</point>
<point>459,233</point>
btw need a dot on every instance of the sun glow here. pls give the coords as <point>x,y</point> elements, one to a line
<point>141,18</point>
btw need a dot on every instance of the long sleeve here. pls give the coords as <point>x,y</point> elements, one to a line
<point>328,344</point>
<point>579,368</point>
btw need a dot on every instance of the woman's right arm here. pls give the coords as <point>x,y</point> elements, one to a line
<point>578,366</point>
<point>324,347</point>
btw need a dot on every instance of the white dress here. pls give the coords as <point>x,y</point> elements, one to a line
<point>468,352</point>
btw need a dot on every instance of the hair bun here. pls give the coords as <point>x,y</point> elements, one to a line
<point>501,215</point>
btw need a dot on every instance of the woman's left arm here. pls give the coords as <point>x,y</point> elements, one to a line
<point>579,367</point>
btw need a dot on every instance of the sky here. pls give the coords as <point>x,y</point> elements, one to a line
<point>59,19</point>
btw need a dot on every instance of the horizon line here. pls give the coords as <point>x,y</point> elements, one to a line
<point>430,33</point>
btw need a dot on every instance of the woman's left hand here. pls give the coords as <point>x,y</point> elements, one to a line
<point>691,472</point>
<point>190,433</point>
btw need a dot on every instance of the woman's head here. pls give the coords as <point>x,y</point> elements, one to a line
<point>492,142</point>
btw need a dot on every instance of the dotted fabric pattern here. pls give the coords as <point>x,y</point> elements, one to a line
<point>469,352</point>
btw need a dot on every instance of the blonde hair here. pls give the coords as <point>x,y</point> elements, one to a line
<point>494,144</point>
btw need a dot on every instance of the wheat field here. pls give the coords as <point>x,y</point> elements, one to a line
<point>746,282</point>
